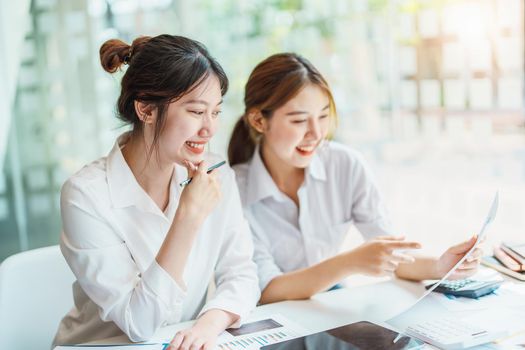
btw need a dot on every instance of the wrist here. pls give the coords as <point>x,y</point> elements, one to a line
<point>347,263</point>
<point>214,321</point>
<point>437,272</point>
<point>189,214</point>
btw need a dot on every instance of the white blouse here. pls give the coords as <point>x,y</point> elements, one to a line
<point>338,190</point>
<point>112,231</point>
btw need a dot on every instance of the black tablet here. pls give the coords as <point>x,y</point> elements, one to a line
<point>355,336</point>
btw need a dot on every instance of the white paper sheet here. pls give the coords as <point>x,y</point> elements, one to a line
<point>481,235</point>
<point>257,339</point>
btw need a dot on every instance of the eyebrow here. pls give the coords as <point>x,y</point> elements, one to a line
<point>305,112</point>
<point>199,102</point>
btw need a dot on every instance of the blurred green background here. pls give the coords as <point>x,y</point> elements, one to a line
<point>432,92</point>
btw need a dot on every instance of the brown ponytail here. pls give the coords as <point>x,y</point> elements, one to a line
<point>272,83</point>
<point>242,143</point>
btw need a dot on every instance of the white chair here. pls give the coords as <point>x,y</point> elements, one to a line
<point>35,293</point>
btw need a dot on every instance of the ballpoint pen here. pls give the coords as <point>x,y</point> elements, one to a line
<point>210,169</point>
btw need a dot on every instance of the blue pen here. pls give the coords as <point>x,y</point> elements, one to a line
<point>210,169</point>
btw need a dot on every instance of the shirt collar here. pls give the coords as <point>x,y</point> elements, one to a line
<point>260,184</point>
<point>124,189</point>
<point>316,168</point>
<point>121,181</point>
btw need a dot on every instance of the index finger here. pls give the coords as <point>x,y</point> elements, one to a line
<point>176,341</point>
<point>202,168</point>
<point>390,238</point>
<point>402,245</point>
<point>190,167</point>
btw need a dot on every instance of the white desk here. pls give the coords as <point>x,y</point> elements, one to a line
<point>372,299</point>
<point>365,298</point>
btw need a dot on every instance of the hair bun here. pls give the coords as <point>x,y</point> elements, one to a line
<point>113,54</point>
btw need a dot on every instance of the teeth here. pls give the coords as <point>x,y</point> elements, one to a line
<point>306,149</point>
<point>195,145</point>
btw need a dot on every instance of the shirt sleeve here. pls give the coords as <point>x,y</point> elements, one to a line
<point>137,302</point>
<point>237,289</point>
<point>267,269</point>
<point>368,209</point>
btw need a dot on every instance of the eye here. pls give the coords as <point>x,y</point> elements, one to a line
<point>197,112</point>
<point>216,114</point>
<point>299,121</point>
<point>324,116</point>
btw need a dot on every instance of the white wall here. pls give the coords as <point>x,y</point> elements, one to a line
<point>14,22</point>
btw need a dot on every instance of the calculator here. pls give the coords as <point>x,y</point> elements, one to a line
<point>451,333</point>
<point>467,288</point>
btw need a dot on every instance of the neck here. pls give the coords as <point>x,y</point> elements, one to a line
<point>151,173</point>
<point>287,177</point>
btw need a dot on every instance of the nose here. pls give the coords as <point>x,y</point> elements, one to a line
<point>314,129</point>
<point>207,127</point>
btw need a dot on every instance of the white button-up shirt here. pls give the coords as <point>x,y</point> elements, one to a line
<point>112,231</point>
<point>338,190</point>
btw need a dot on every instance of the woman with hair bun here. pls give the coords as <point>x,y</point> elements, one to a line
<point>144,249</point>
<point>301,192</point>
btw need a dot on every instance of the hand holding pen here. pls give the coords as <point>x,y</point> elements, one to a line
<point>200,198</point>
<point>210,169</point>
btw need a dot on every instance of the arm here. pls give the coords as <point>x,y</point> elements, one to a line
<point>237,289</point>
<point>195,204</point>
<point>136,301</point>
<point>376,258</point>
<point>367,208</point>
<point>423,268</point>
<point>304,283</point>
<point>426,268</point>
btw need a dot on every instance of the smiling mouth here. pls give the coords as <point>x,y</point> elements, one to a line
<point>306,150</point>
<point>195,147</point>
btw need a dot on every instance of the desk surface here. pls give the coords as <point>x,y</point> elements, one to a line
<point>363,298</point>
<point>371,299</point>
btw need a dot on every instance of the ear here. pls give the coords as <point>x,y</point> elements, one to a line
<point>146,112</point>
<point>257,121</point>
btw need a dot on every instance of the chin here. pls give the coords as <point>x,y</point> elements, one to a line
<point>301,163</point>
<point>181,157</point>
<point>195,159</point>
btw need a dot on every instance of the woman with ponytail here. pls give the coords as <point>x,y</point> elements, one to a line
<point>143,248</point>
<point>301,192</point>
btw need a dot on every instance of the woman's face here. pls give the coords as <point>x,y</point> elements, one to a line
<point>190,123</point>
<point>296,129</point>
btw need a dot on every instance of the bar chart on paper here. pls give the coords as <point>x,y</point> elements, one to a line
<point>259,333</point>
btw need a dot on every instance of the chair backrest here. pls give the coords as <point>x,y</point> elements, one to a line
<point>35,293</point>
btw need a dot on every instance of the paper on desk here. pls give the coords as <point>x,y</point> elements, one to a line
<point>517,339</point>
<point>502,318</point>
<point>258,338</point>
<point>490,217</point>
<point>257,333</point>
